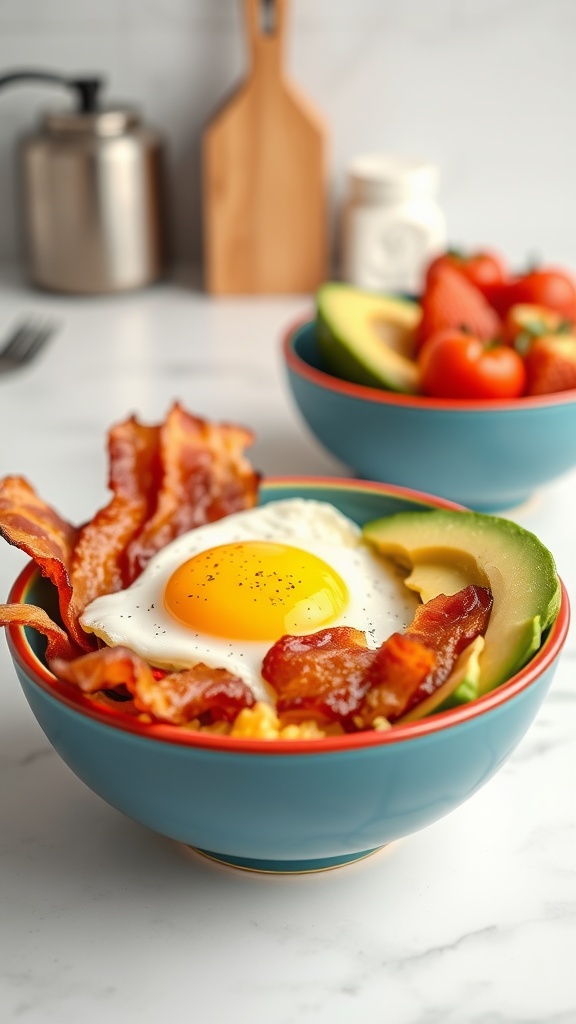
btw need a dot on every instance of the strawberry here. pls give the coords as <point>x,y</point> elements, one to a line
<point>551,364</point>
<point>450,301</point>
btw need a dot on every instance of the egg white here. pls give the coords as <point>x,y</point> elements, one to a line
<point>379,603</point>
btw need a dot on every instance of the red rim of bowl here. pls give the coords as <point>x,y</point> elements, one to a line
<point>324,379</point>
<point>39,674</point>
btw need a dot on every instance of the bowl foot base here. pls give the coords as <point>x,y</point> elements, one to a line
<point>283,867</point>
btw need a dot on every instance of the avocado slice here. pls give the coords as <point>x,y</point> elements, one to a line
<point>368,338</point>
<point>445,550</point>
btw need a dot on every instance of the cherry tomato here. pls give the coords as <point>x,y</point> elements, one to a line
<point>458,365</point>
<point>484,269</point>
<point>551,287</point>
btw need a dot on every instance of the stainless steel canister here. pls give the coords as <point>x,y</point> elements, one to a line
<point>92,201</point>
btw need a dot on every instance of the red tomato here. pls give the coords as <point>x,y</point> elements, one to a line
<point>458,365</point>
<point>484,269</point>
<point>550,287</point>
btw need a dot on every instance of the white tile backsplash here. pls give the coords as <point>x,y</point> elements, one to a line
<point>485,87</point>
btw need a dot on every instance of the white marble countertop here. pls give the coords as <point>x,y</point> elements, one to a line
<point>471,920</point>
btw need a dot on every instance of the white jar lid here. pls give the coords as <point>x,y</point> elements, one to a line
<point>377,177</point>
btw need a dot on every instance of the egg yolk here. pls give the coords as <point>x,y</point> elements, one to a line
<point>255,590</point>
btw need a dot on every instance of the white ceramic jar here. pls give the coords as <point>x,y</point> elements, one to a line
<point>392,223</point>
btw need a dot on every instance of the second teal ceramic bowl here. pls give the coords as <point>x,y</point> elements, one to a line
<point>489,456</point>
<point>285,806</point>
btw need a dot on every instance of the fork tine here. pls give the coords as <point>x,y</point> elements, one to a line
<point>14,343</point>
<point>25,343</point>
<point>35,341</point>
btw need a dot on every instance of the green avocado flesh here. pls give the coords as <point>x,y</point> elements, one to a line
<point>444,551</point>
<point>368,338</point>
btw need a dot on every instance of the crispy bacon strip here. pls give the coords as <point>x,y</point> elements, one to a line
<point>29,523</point>
<point>328,675</point>
<point>98,562</point>
<point>400,667</point>
<point>164,479</point>
<point>59,644</point>
<point>322,675</point>
<point>177,697</point>
<point>332,676</point>
<point>204,476</point>
<point>448,625</point>
<point>442,627</point>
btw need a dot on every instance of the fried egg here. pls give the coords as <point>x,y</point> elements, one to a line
<point>223,593</point>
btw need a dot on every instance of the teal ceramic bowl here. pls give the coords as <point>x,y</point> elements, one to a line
<point>285,806</point>
<point>489,456</point>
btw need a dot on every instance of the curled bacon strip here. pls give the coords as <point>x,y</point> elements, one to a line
<point>331,675</point>
<point>177,697</point>
<point>322,675</point>
<point>448,625</point>
<point>443,627</point>
<point>399,669</point>
<point>99,556</point>
<point>165,479</point>
<point>328,675</point>
<point>204,476</point>
<point>59,644</point>
<point>29,523</point>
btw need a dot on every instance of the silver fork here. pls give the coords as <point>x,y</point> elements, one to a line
<point>24,343</point>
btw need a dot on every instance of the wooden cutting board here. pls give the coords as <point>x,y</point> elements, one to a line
<point>264,176</point>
